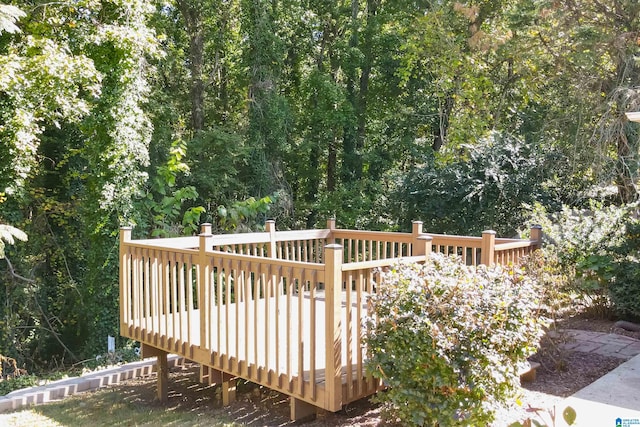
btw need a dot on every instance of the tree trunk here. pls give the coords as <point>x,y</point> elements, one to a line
<point>191,13</point>
<point>350,131</point>
<point>625,182</point>
<point>331,166</point>
<point>362,107</point>
<point>442,128</point>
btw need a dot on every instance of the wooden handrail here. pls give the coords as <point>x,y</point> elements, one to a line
<point>514,245</point>
<point>372,235</point>
<point>363,265</point>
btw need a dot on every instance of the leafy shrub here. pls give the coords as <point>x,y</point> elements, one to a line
<point>552,278</point>
<point>12,384</point>
<point>486,190</point>
<point>625,287</point>
<point>13,378</point>
<point>120,356</point>
<point>447,338</point>
<point>597,248</point>
<point>569,416</point>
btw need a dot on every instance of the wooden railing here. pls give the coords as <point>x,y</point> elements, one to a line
<point>282,309</point>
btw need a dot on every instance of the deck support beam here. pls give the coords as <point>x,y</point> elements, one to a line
<point>301,410</point>
<point>162,368</point>
<point>229,391</point>
<point>163,377</point>
<point>228,382</point>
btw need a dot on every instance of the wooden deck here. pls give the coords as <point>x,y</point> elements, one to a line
<point>282,309</point>
<point>258,345</point>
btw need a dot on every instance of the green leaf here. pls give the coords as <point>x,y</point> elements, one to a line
<point>569,415</point>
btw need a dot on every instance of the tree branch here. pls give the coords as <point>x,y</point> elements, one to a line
<point>16,275</point>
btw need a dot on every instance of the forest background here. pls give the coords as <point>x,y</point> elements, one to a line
<point>167,114</point>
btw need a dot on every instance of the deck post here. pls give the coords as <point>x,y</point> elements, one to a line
<point>333,330</point>
<point>301,410</point>
<point>488,247</point>
<point>228,389</point>
<point>162,369</point>
<point>163,376</point>
<point>536,234</point>
<point>271,229</point>
<point>205,228</point>
<point>423,246</point>
<point>416,228</point>
<point>204,291</point>
<point>125,275</point>
<point>331,225</point>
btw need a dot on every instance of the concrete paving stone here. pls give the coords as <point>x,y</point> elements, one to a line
<point>574,333</point>
<point>613,339</point>
<point>570,345</point>
<point>612,351</point>
<point>585,336</point>
<point>619,387</point>
<point>553,334</point>
<point>631,350</point>
<point>587,347</point>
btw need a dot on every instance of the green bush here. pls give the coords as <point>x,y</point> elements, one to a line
<point>625,287</point>
<point>17,383</point>
<point>447,338</point>
<point>597,248</point>
<point>486,189</point>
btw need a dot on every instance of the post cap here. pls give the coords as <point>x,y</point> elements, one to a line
<point>333,246</point>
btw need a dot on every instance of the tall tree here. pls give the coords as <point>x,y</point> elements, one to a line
<point>268,111</point>
<point>192,14</point>
<point>75,145</point>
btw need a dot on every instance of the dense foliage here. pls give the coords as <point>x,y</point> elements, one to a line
<point>448,339</point>
<point>595,250</point>
<point>487,190</point>
<point>167,114</point>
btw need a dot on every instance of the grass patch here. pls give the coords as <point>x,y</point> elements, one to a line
<point>119,406</point>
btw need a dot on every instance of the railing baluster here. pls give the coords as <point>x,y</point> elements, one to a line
<point>173,294</point>
<point>349,334</point>
<point>147,319</point>
<point>244,280</point>
<point>267,320</point>
<point>181,303</point>
<point>289,289</point>
<point>312,332</point>
<point>300,330</point>
<point>359,318</point>
<point>227,285</point>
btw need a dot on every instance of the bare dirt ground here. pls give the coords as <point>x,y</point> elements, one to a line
<point>561,374</point>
